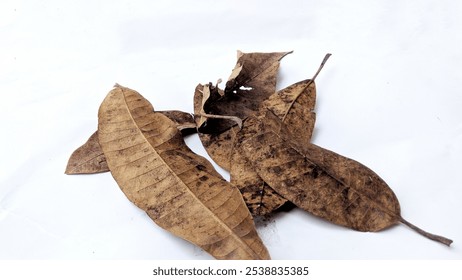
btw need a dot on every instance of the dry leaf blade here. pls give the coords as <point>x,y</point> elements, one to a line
<point>322,182</point>
<point>178,189</point>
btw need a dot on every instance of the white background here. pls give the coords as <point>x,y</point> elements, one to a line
<point>389,97</point>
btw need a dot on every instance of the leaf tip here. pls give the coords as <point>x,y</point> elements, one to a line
<point>289,52</point>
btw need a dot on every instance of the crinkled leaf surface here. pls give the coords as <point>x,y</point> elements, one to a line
<point>89,158</point>
<point>178,189</point>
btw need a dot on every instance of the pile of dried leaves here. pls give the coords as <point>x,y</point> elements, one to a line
<point>260,135</point>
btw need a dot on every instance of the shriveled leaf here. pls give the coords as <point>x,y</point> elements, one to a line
<point>217,145</point>
<point>299,98</point>
<point>203,116</point>
<point>254,70</point>
<point>320,181</point>
<point>89,158</point>
<point>178,189</point>
<point>252,81</point>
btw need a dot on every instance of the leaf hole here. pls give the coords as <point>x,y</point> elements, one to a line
<point>246,88</point>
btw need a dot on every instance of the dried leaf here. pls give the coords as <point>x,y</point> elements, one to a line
<point>89,158</point>
<point>252,81</point>
<point>183,121</point>
<point>320,181</point>
<point>294,105</point>
<point>218,145</point>
<point>260,198</point>
<point>178,189</point>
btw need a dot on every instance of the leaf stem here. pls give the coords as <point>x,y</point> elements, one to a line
<point>428,235</point>
<point>326,57</point>
<point>237,120</point>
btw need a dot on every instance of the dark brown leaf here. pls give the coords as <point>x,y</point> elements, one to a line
<point>260,198</point>
<point>299,98</point>
<point>257,73</point>
<point>294,105</point>
<point>178,189</point>
<point>251,82</point>
<point>218,145</point>
<point>320,181</point>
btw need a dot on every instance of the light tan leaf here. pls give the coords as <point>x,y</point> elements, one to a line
<point>178,189</point>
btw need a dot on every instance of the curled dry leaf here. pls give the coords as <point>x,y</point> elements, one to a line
<point>320,181</point>
<point>89,158</point>
<point>217,145</point>
<point>178,189</point>
<point>252,81</point>
<point>299,98</point>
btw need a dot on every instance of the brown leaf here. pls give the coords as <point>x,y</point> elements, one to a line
<point>260,198</point>
<point>90,159</point>
<point>178,189</point>
<point>320,181</point>
<point>183,121</point>
<point>217,145</point>
<point>252,81</point>
<point>294,105</point>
